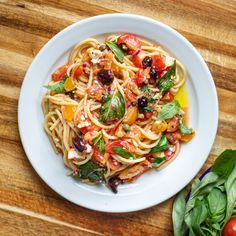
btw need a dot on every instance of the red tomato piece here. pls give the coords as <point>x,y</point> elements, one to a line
<point>230,227</point>
<point>169,152</point>
<point>97,156</point>
<point>143,75</point>
<point>173,137</point>
<point>119,143</point>
<point>113,163</point>
<point>77,71</point>
<point>59,73</point>
<point>130,96</point>
<point>159,63</point>
<point>131,41</point>
<point>86,129</point>
<point>168,97</point>
<point>173,124</point>
<point>96,90</point>
<point>138,58</point>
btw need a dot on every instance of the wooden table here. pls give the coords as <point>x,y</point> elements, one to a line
<point>27,205</point>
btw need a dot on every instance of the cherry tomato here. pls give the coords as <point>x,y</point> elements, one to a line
<point>159,63</point>
<point>96,90</point>
<point>77,71</point>
<point>142,76</point>
<point>173,124</point>
<point>86,129</point>
<point>230,227</point>
<point>169,152</point>
<point>59,73</point>
<point>187,137</point>
<point>113,163</point>
<point>98,157</point>
<point>119,143</point>
<point>173,137</point>
<point>138,58</point>
<point>167,97</point>
<point>131,41</point>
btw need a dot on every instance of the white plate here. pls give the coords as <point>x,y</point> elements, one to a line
<point>153,187</point>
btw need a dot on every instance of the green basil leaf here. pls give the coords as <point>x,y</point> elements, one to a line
<point>158,161</point>
<point>58,87</point>
<point>166,81</point>
<point>116,50</point>
<point>161,146</point>
<point>169,110</point>
<point>123,152</point>
<point>113,106</point>
<point>91,171</point>
<point>184,129</point>
<point>99,143</point>
<point>179,226</point>
<point>148,109</point>
<point>225,163</point>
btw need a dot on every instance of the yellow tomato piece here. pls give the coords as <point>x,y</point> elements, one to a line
<point>68,112</point>
<point>131,115</point>
<point>159,126</point>
<point>187,137</point>
<point>69,84</point>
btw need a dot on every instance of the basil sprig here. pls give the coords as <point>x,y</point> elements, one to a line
<point>161,146</point>
<point>184,129</point>
<point>169,110</point>
<point>58,87</point>
<point>123,152</point>
<point>158,161</point>
<point>99,143</point>
<point>116,50</point>
<point>166,81</point>
<point>113,106</point>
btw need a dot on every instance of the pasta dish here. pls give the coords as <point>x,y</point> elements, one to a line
<point>111,111</point>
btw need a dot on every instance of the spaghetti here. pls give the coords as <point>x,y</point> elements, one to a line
<point>111,112</point>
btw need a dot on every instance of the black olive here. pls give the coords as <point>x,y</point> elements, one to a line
<point>105,76</point>
<point>79,143</point>
<point>102,47</point>
<point>142,102</point>
<point>70,94</point>
<point>113,183</point>
<point>153,73</point>
<point>147,61</point>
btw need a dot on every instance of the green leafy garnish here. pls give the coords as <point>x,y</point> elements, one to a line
<point>123,152</point>
<point>166,81</point>
<point>99,143</point>
<point>184,129</point>
<point>161,146</point>
<point>148,109</point>
<point>116,50</point>
<point>212,200</point>
<point>169,110</point>
<point>58,87</point>
<point>158,161</point>
<point>91,171</point>
<point>113,106</point>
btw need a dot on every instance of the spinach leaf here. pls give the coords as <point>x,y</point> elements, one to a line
<point>225,163</point>
<point>99,143</point>
<point>116,50</point>
<point>184,129</point>
<point>216,201</point>
<point>91,171</point>
<point>231,194</point>
<point>58,87</point>
<point>113,106</point>
<point>123,152</point>
<point>166,81</point>
<point>179,226</point>
<point>161,146</point>
<point>158,161</point>
<point>169,110</point>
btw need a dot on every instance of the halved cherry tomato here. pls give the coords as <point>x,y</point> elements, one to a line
<point>169,152</point>
<point>119,143</point>
<point>230,227</point>
<point>98,157</point>
<point>187,137</point>
<point>173,124</point>
<point>168,97</point>
<point>68,112</point>
<point>173,137</point>
<point>131,41</point>
<point>142,76</point>
<point>113,163</point>
<point>59,73</point>
<point>159,63</point>
<point>86,129</point>
<point>138,58</point>
<point>96,90</point>
<point>131,115</point>
<point>77,71</point>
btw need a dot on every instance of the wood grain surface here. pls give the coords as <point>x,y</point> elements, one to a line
<point>27,205</point>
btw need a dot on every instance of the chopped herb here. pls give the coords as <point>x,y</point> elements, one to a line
<point>169,110</point>
<point>58,87</point>
<point>161,146</point>
<point>158,161</point>
<point>123,152</point>
<point>184,129</point>
<point>116,50</point>
<point>99,143</point>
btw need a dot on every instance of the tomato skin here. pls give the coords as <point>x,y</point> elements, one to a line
<point>138,58</point>
<point>142,76</point>
<point>173,137</point>
<point>168,97</point>
<point>230,227</point>
<point>86,129</point>
<point>59,73</point>
<point>119,143</point>
<point>158,63</point>
<point>130,96</point>
<point>77,71</point>
<point>169,152</point>
<point>173,124</point>
<point>113,163</point>
<point>131,41</point>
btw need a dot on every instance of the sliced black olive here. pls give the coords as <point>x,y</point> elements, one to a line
<point>153,73</point>
<point>106,77</point>
<point>102,47</point>
<point>113,183</point>
<point>79,143</point>
<point>147,62</point>
<point>142,102</point>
